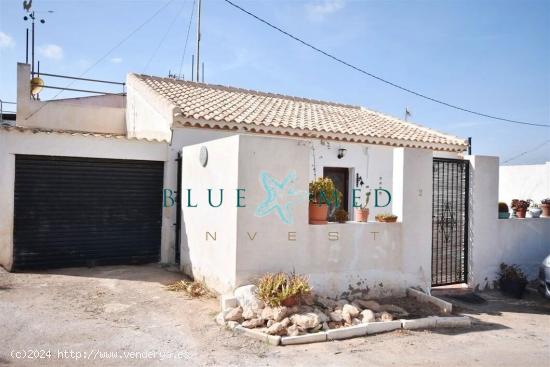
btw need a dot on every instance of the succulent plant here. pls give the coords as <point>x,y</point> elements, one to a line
<point>341,216</point>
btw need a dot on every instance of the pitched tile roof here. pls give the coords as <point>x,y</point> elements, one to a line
<point>215,106</point>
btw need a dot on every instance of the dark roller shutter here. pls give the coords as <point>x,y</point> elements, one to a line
<point>83,212</point>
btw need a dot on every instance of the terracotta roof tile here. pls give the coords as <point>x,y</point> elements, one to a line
<point>221,106</point>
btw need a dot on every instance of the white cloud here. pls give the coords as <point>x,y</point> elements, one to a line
<point>51,51</point>
<point>116,60</point>
<point>318,10</point>
<point>6,41</point>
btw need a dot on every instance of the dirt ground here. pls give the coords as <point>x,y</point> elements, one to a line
<point>120,316</point>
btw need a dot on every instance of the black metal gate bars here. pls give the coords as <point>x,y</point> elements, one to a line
<point>450,221</point>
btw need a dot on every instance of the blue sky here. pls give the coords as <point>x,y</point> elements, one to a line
<point>489,56</point>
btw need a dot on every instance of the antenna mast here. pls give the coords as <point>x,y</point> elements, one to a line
<point>197,67</point>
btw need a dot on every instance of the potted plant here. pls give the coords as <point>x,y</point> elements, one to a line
<point>520,207</point>
<point>534,209</point>
<point>321,191</point>
<point>341,216</point>
<point>511,280</point>
<point>386,218</point>
<point>362,212</point>
<point>285,289</point>
<point>545,206</point>
<point>503,211</point>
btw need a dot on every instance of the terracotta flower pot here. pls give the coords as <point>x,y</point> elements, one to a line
<point>318,213</point>
<point>361,214</point>
<point>545,210</point>
<point>520,213</point>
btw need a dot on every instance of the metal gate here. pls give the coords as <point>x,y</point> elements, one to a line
<point>450,221</point>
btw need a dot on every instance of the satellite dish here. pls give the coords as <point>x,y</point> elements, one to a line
<point>36,85</point>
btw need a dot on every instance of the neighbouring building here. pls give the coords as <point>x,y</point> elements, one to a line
<point>216,178</point>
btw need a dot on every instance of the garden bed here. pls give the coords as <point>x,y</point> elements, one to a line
<point>318,319</point>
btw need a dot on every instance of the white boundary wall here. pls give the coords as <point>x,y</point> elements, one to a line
<point>525,242</point>
<point>524,182</point>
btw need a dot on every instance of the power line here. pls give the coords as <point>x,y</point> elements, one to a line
<point>187,37</point>
<point>163,38</point>
<point>527,152</point>
<point>356,68</point>
<point>104,56</point>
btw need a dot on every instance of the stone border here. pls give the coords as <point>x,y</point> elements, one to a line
<point>371,328</point>
<point>444,306</point>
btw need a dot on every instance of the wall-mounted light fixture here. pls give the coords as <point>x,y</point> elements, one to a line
<point>341,153</point>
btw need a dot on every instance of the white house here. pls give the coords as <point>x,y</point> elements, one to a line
<point>96,181</point>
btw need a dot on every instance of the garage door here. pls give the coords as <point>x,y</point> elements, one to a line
<point>85,212</point>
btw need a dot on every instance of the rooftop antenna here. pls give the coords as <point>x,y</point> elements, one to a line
<point>199,3</point>
<point>27,5</point>
<point>407,113</point>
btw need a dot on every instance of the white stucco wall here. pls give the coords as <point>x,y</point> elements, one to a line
<point>412,187</point>
<point>339,258</point>
<point>70,114</point>
<point>530,181</point>
<point>209,234</point>
<point>374,163</point>
<point>483,208</point>
<point>53,144</point>
<point>525,242</point>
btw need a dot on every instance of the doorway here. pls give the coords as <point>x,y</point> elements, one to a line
<point>340,177</point>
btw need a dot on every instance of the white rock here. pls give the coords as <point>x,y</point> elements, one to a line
<point>270,322</point>
<point>220,318</point>
<point>336,316</point>
<point>279,313</point>
<point>342,302</point>
<point>355,321</point>
<point>285,322</point>
<point>234,314</point>
<point>386,316</point>
<point>267,313</point>
<point>371,305</point>
<point>251,324</point>
<point>246,296</point>
<point>351,310</point>
<point>248,313</point>
<point>276,329</point>
<point>394,309</point>
<point>227,301</point>
<point>325,326</point>
<point>326,302</point>
<point>322,316</point>
<point>367,316</point>
<point>232,324</point>
<point>293,330</point>
<point>307,320</point>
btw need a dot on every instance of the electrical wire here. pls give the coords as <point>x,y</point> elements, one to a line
<point>187,38</point>
<point>163,38</point>
<point>356,68</point>
<point>527,152</point>
<point>104,56</point>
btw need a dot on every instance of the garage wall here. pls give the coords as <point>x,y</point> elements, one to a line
<point>14,142</point>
